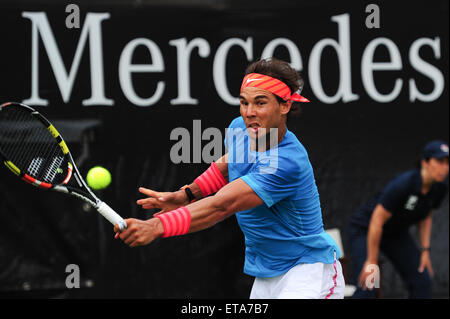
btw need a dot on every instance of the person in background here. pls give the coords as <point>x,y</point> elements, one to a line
<point>383,225</point>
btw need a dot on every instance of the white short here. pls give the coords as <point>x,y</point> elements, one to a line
<point>303,281</point>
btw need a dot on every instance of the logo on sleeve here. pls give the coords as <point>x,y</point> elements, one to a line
<point>411,202</point>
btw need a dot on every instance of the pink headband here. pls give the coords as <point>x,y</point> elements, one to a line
<point>272,85</point>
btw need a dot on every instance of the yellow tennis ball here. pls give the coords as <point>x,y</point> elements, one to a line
<point>98,178</point>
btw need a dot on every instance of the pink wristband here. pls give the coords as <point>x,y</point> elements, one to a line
<point>211,180</point>
<point>175,222</point>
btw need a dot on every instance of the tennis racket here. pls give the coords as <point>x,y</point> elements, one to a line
<point>33,150</point>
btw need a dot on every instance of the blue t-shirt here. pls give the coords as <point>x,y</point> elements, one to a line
<point>287,229</point>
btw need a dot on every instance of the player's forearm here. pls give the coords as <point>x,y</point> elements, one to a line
<point>233,197</point>
<point>193,217</point>
<point>373,241</point>
<point>425,232</point>
<point>208,212</point>
<point>379,217</point>
<point>196,191</point>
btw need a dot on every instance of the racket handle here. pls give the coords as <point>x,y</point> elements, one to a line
<point>111,215</point>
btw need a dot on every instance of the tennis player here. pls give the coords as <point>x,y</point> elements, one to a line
<point>267,181</point>
<point>383,224</point>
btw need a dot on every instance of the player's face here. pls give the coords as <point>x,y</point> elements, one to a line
<point>261,111</point>
<point>437,168</point>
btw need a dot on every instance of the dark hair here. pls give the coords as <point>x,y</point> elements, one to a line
<point>282,71</point>
<point>426,159</point>
<point>418,163</point>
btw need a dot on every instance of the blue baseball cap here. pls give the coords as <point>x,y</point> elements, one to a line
<point>435,149</point>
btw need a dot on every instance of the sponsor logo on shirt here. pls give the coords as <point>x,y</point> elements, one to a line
<point>411,202</point>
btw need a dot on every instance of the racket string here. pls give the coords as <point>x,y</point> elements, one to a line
<point>8,135</point>
<point>26,127</point>
<point>16,139</point>
<point>52,161</point>
<point>21,152</point>
<point>29,145</point>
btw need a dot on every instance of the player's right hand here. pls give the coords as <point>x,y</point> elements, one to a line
<point>140,232</point>
<point>366,279</point>
<point>165,201</point>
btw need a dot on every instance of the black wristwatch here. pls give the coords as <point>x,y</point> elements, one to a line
<point>425,249</point>
<point>189,194</point>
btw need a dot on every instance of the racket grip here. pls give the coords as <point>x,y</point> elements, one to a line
<point>111,215</point>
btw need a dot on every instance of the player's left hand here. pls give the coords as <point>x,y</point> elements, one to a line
<point>425,262</point>
<point>165,201</point>
<point>140,232</point>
